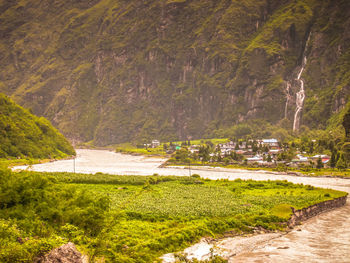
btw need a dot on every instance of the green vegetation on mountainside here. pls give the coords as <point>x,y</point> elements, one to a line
<point>119,71</point>
<point>136,218</point>
<point>27,136</point>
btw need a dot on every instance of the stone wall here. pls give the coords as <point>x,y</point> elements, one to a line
<point>305,213</point>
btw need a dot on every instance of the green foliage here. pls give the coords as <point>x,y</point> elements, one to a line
<point>140,149</point>
<point>136,218</point>
<point>120,71</point>
<point>341,163</point>
<point>34,210</point>
<point>24,135</point>
<point>333,160</point>
<point>319,164</point>
<point>282,211</point>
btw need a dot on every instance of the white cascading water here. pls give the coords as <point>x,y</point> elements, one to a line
<point>300,96</point>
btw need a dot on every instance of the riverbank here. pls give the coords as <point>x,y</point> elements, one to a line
<point>11,163</point>
<point>229,247</point>
<point>310,172</point>
<point>159,152</point>
<point>333,224</point>
<point>147,215</point>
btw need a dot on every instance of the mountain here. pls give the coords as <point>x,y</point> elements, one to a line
<point>24,135</point>
<point>115,71</point>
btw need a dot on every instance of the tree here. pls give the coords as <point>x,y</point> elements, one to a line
<point>346,123</point>
<point>182,155</point>
<point>333,160</point>
<point>254,148</point>
<point>204,153</point>
<point>234,156</point>
<point>265,149</point>
<point>269,159</point>
<point>311,147</point>
<point>209,143</point>
<point>346,151</point>
<point>319,164</point>
<point>341,164</point>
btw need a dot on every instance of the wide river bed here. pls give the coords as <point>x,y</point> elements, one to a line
<point>325,238</point>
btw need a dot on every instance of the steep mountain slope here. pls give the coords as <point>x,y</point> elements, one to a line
<point>115,71</point>
<point>23,134</point>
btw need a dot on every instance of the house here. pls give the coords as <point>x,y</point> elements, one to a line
<point>322,156</point>
<point>243,145</point>
<point>255,159</point>
<point>325,158</point>
<point>274,152</point>
<point>271,143</point>
<point>300,160</point>
<point>241,152</point>
<point>155,143</point>
<point>226,148</point>
<point>194,148</point>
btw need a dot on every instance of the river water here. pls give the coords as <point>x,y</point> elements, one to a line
<point>325,238</point>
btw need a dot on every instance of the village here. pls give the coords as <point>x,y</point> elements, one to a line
<point>260,152</point>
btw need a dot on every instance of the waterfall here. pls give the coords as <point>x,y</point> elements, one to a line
<point>300,96</point>
<point>288,97</point>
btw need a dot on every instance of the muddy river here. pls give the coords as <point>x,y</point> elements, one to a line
<point>325,238</point>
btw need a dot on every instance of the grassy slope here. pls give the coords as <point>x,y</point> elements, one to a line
<point>147,216</point>
<point>24,135</point>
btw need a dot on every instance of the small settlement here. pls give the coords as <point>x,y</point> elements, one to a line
<point>264,152</point>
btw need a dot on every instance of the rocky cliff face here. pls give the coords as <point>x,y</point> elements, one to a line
<point>115,71</point>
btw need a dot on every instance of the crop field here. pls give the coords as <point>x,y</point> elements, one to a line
<point>137,218</point>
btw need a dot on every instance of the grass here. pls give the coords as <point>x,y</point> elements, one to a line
<point>203,141</point>
<point>131,149</point>
<point>146,216</point>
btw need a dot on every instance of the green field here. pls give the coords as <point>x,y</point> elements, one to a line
<point>136,218</point>
<point>131,149</point>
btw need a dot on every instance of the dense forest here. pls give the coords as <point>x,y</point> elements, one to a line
<point>115,71</point>
<point>24,135</point>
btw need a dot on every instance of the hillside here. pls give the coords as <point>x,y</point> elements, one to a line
<point>24,135</point>
<point>116,71</point>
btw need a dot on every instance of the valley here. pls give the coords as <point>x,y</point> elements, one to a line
<point>308,242</point>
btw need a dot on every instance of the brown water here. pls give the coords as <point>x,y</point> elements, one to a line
<point>325,238</point>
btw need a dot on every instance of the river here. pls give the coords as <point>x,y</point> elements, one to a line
<point>325,238</point>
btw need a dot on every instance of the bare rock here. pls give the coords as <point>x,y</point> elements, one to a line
<point>67,253</point>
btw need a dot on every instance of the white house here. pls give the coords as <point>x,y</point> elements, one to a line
<point>155,143</point>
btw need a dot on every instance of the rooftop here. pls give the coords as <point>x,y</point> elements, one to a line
<point>270,140</point>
